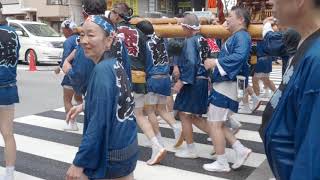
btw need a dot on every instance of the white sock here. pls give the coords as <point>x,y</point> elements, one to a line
<point>155,143</point>
<point>238,147</point>
<point>191,146</point>
<point>159,137</point>
<point>222,159</point>
<point>254,96</point>
<point>246,104</point>
<point>175,126</point>
<point>9,170</point>
<point>172,113</point>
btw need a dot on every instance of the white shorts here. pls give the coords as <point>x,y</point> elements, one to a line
<point>67,87</point>
<point>11,106</point>
<point>153,99</point>
<point>138,100</point>
<point>217,114</point>
<point>261,75</point>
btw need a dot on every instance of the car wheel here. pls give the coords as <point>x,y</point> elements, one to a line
<point>28,56</point>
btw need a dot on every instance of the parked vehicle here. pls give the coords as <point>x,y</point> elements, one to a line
<point>39,38</point>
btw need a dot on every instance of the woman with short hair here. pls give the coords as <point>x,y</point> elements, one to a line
<point>109,148</point>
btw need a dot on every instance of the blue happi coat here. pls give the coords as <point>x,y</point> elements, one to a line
<point>264,61</point>
<point>233,59</point>
<point>80,72</point>
<point>83,66</point>
<point>9,55</point>
<point>193,96</point>
<point>157,66</point>
<point>135,42</point>
<point>109,146</point>
<point>68,46</point>
<point>291,120</point>
<point>274,46</point>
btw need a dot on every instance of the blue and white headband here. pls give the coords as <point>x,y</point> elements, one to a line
<point>194,27</point>
<point>105,25</point>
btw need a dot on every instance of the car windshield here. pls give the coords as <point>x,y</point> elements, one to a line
<point>42,30</point>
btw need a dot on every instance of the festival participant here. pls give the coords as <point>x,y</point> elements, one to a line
<point>192,84</point>
<point>80,69</point>
<point>9,55</point>
<point>68,28</point>
<point>135,42</point>
<point>158,82</point>
<point>290,122</point>
<point>231,62</point>
<point>109,147</point>
<point>283,43</point>
<point>174,48</point>
<point>263,69</point>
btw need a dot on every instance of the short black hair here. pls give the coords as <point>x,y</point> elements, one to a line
<point>146,27</point>
<point>94,7</point>
<point>317,3</point>
<point>244,13</point>
<point>123,10</point>
<point>291,39</point>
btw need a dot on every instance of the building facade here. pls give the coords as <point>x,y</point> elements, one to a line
<point>160,8</point>
<point>52,12</point>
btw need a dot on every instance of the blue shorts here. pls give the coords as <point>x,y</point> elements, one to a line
<point>193,98</point>
<point>223,101</point>
<point>66,81</point>
<point>264,65</point>
<point>9,95</point>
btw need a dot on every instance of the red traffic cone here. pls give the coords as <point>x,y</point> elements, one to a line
<point>32,61</point>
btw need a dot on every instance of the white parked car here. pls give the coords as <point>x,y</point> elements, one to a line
<point>44,41</point>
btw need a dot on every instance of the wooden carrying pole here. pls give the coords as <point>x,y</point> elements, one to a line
<point>169,28</point>
<point>217,31</point>
<point>158,21</point>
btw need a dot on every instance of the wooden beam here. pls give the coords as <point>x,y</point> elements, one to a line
<point>217,31</point>
<point>158,21</point>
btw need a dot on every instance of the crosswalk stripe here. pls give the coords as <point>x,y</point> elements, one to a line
<point>204,149</point>
<point>43,148</point>
<point>144,172</point>
<point>66,153</point>
<point>63,110</point>
<point>45,122</point>
<point>248,118</point>
<point>58,147</point>
<point>21,176</point>
<point>166,131</point>
<point>243,134</point>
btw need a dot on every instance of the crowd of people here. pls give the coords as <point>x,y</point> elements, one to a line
<point>123,76</point>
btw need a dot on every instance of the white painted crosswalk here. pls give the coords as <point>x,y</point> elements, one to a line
<point>62,151</point>
<point>275,76</point>
<point>45,151</point>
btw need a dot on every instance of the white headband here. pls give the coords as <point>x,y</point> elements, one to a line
<point>194,27</point>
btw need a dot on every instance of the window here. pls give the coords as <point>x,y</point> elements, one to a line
<point>42,30</point>
<point>19,28</point>
<point>58,2</point>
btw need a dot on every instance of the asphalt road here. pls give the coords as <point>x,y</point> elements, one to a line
<point>39,91</point>
<point>45,151</point>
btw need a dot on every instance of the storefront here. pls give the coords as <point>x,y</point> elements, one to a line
<point>182,6</point>
<point>134,4</point>
<point>165,7</point>
<point>159,8</point>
